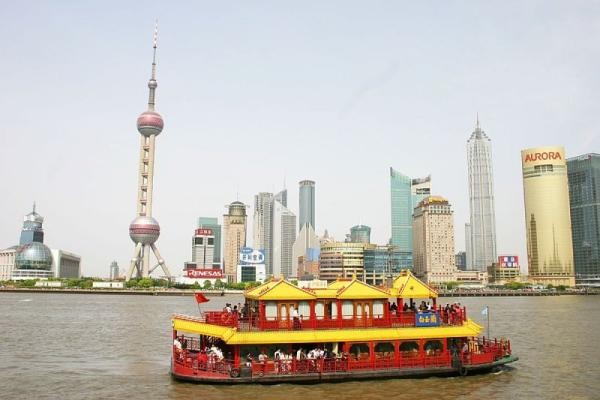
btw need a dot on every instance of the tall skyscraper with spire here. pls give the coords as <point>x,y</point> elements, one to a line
<point>481,237</point>
<point>144,230</point>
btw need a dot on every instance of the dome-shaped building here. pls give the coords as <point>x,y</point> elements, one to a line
<point>33,260</point>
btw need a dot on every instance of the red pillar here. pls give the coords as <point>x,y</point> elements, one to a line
<point>339,313</point>
<point>313,314</point>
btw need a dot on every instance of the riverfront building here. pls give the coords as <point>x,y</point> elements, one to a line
<point>584,196</point>
<point>234,226</point>
<point>547,216</point>
<point>213,224</point>
<point>406,193</point>
<point>433,225</point>
<point>305,252</point>
<point>203,248</point>
<point>342,260</point>
<point>481,231</point>
<point>380,263</point>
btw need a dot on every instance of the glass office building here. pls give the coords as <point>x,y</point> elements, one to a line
<point>584,197</point>
<point>406,193</point>
<point>379,263</point>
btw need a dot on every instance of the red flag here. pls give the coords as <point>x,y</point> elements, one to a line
<point>200,297</point>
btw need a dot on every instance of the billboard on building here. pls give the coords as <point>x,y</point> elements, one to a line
<point>204,232</point>
<point>508,261</point>
<point>248,255</point>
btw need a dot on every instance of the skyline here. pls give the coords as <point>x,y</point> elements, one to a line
<point>400,92</point>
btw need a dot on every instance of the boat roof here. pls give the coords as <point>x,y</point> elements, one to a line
<point>344,289</point>
<point>279,289</point>
<point>232,336</point>
<point>406,285</point>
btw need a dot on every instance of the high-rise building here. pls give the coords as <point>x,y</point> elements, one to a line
<point>482,223</point>
<point>203,248</point>
<point>305,252</point>
<point>213,224</point>
<point>584,196</point>
<point>32,228</point>
<point>307,204</point>
<point>144,230</point>
<point>33,259</point>
<point>283,237</point>
<point>406,193</point>
<point>433,236</point>
<point>547,216</point>
<point>262,228</point>
<point>461,260</point>
<point>114,271</point>
<point>380,263</point>
<point>234,227</point>
<point>360,234</point>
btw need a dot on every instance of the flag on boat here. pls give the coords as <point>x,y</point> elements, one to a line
<point>484,312</point>
<point>200,297</point>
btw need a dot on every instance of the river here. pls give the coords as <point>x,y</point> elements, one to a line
<point>72,346</point>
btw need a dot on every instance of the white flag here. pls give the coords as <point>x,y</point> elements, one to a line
<point>485,311</point>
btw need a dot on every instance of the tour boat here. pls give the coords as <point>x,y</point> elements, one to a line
<point>348,330</point>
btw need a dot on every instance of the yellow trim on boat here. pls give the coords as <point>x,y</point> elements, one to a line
<point>232,337</point>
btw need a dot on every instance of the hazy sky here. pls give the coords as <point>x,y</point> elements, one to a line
<point>253,93</point>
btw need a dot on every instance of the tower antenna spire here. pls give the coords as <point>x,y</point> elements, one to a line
<point>152,84</point>
<point>477,126</point>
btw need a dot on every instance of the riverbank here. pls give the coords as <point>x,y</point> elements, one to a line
<point>212,292</point>
<point>139,292</point>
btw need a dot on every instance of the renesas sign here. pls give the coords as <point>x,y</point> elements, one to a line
<point>205,273</point>
<point>250,256</point>
<point>544,155</point>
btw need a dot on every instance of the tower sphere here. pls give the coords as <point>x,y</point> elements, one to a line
<point>33,255</point>
<point>144,230</point>
<point>150,123</point>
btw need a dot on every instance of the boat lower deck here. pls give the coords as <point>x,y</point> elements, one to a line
<point>181,373</point>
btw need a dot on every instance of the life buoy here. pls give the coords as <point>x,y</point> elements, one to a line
<point>235,372</point>
<point>462,370</point>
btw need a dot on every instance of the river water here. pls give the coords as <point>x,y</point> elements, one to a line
<point>70,346</point>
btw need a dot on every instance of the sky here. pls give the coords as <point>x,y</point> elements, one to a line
<point>255,94</point>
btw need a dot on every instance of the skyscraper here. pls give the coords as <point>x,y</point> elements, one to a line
<point>481,246</point>
<point>307,203</point>
<point>203,248</point>
<point>406,193</point>
<point>584,196</point>
<point>547,216</point>
<point>433,224</point>
<point>213,224</point>
<point>144,230</point>
<point>283,237</point>
<point>234,227</point>
<point>262,228</point>
<point>360,234</point>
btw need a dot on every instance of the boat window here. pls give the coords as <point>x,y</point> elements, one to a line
<point>347,309</point>
<point>334,309</point>
<point>378,308</point>
<point>384,348</point>
<point>359,310</point>
<point>433,347</point>
<point>409,349</point>
<point>319,310</point>
<point>359,351</point>
<point>283,311</point>
<point>304,309</point>
<point>271,309</point>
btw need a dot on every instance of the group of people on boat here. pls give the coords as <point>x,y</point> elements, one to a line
<point>296,360</point>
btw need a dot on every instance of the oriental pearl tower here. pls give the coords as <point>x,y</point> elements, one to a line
<point>144,230</point>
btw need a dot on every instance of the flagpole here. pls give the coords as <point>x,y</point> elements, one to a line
<point>488,321</point>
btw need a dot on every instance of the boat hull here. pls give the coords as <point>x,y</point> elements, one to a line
<point>344,376</point>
